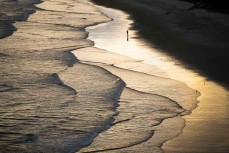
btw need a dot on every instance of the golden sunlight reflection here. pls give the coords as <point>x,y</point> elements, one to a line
<point>214,99</point>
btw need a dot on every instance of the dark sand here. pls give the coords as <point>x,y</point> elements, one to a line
<point>212,5</point>
<point>197,37</point>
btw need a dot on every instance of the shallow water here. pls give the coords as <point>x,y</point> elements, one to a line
<point>146,107</point>
<point>51,102</point>
<point>146,58</point>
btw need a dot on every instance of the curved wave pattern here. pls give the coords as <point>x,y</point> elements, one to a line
<point>145,103</point>
<point>151,104</point>
<point>136,127</point>
<point>38,111</point>
<point>51,102</point>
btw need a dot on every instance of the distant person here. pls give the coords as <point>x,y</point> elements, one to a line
<point>127,35</point>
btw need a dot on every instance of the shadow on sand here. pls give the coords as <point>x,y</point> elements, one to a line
<point>209,59</point>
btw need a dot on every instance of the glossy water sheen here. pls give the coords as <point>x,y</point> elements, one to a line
<point>49,102</point>
<point>208,124</point>
<point>147,109</point>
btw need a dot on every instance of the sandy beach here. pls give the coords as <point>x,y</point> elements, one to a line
<point>211,114</point>
<point>73,80</point>
<point>197,37</point>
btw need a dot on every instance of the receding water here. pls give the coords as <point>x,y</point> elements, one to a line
<point>211,113</point>
<point>151,104</point>
<point>123,96</point>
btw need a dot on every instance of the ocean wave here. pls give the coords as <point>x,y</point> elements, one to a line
<point>53,102</point>
<point>40,112</point>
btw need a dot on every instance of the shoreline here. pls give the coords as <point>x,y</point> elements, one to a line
<point>50,55</point>
<point>93,83</point>
<point>196,37</point>
<point>203,85</point>
<point>108,65</point>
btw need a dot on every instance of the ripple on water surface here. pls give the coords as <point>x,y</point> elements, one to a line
<point>39,112</point>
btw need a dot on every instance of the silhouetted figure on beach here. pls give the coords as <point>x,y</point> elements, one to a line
<point>127,35</point>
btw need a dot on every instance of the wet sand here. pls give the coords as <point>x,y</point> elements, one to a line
<point>52,101</point>
<point>197,37</point>
<point>146,110</point>
<point>211,113</point>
